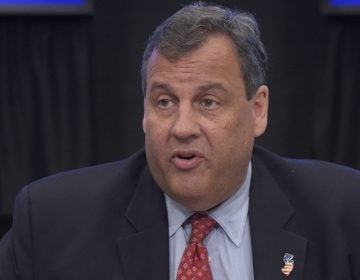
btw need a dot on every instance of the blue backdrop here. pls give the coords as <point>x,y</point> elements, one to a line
<point>345,2</point>
<point>42,2</point>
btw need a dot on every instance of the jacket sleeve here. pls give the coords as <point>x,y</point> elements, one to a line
<point>16,262</point>
<point>7,258</point>
<point>352,230</point>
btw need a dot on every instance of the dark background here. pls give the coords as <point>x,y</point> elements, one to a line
<point>70,92</point>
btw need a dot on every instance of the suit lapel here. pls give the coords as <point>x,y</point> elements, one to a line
<point>144,252</point>
<point>269,211</point>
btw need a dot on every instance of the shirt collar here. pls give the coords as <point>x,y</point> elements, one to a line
<point>177,214</point>
<point>231,215</point>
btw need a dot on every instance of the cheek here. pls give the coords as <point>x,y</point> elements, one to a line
<point>235,133</point>
<point>156,133</point>
<point>244,124</point>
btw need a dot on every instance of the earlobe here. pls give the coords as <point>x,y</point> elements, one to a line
<point>144,118</point>
<point>260,110</point>
<point>144,124</point>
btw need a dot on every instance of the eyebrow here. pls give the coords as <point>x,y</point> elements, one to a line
<point>204,88</point>
<point>158,85</point>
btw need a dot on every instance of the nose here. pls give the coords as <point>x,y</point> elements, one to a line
<point>186,126</point>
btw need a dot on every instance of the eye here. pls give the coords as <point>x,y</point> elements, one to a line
<point>165,103</point>
<point>209,103</point>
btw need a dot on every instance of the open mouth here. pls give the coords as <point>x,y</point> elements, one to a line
<point>186,160</point>
<point>186,157</point>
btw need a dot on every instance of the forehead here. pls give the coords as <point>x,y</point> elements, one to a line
<point>216,58</point>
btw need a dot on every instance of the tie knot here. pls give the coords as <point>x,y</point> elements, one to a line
<point>201,225</point>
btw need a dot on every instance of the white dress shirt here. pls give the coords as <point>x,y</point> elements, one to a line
<point>228,245</point>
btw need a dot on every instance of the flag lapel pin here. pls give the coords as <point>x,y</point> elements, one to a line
<point>288,264</point>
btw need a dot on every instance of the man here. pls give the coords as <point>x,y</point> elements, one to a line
<point>265,217</point>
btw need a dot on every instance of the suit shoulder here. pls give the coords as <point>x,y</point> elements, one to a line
<point>312,175</point>
<point>95,180</point>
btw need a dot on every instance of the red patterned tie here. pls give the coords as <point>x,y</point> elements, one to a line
<point>194,264</point>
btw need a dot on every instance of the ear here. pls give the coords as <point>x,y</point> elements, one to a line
<point>144,116</point>
<point>260,103</point>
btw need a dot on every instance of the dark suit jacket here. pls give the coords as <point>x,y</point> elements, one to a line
<point>109,222</point>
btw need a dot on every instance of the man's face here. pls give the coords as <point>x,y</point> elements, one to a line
<point>199,126</point>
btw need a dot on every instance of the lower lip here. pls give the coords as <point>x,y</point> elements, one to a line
<point>186,164</point>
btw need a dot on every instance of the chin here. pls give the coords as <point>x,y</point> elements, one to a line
<point>194,198</point>
<point>198,205</point>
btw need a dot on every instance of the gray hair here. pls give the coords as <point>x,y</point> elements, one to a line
<point>188,29</point>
